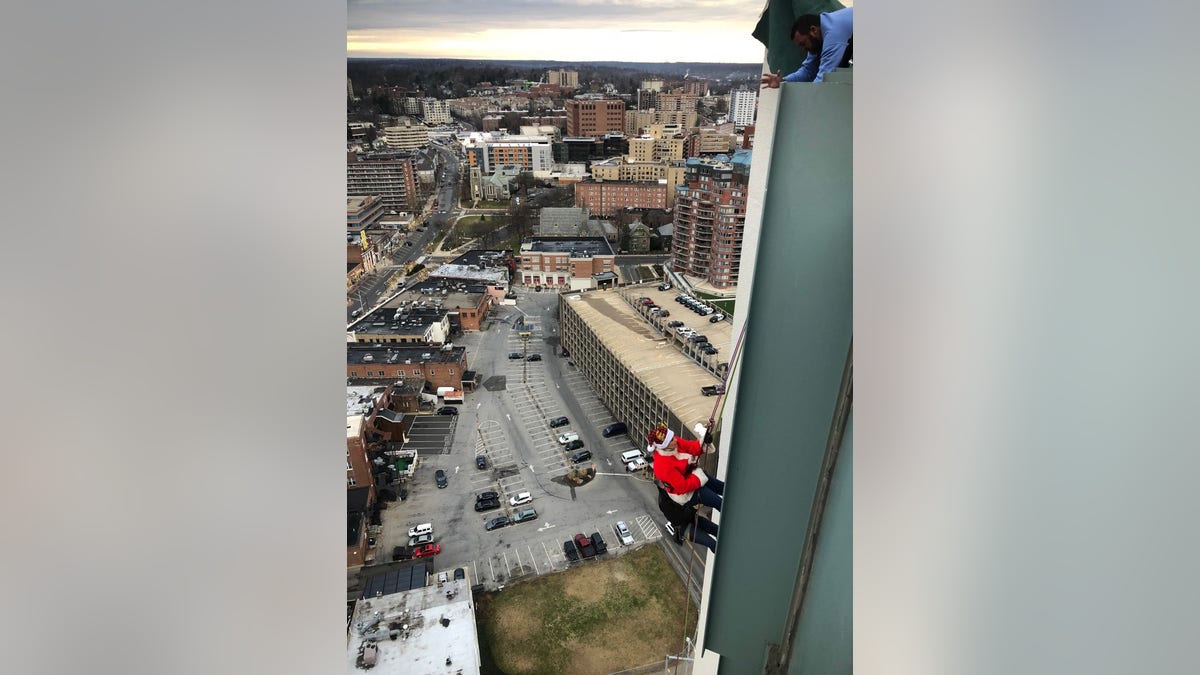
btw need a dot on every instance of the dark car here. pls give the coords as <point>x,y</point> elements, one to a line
<point>566,352</point>
<point>490,494</point>
<point>713,389</point>
<point>487,505</point>
<point>481,461</point>
<point>440,477</point>
<point>498,522</point>
<point>447,410</point>
<point>664,313</point>
<point>534,357</point>
<point>717,318</point>
<point>585,546</point>
<point>514,355</point>
<point>615,429</point>
<point>570,551</point>
<point>573,445</point>
<point>559,422</point>
<point>524,515</point>
<point>598,542</point>
<point>581,456</point>
<point>674,324</point>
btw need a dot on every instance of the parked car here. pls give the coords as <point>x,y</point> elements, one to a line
<point>664,287</point>
<point>581,456</point>
<point>490,494</point>
<point>534,357</point>
<point>520,498</point>
<point>514,355</point>
<point>421,539</point>
<point>635,464</point>
<point>559,422</point>
<point>585,546</point>
<point>447,410</point>
<point>614,429</point>
<point>713,389</point>
<point>563,439</point>
<point>573,445</point>
<point>716,318</point>
<point>524,515</point>
<point>481,461</point>
<point>710,350</point>
<point>623,533</point>
<point>664,313</point>
<point>598,543</point>
<point>487,505</point>
<point>570,551</point>
<point>427,550</point>
<point>440,477</point>
<point>423,528</point>
<point>674,324</point>
<point>497,522</point>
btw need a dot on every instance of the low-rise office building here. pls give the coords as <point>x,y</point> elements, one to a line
<point>384,365</point>
<point>565,262</point>
<point>605,198</point>
<point>414,627</point>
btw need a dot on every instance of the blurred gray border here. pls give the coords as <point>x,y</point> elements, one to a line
<point>173,359</point>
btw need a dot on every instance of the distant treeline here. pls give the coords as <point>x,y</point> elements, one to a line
<point>452,78</point>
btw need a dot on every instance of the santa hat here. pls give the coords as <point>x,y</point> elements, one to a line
<point>660,437</point>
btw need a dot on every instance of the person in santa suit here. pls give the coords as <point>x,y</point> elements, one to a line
<point>682,485</point>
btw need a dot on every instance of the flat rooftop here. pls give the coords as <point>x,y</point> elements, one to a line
<point>656,357</point>
<point>435,626</point>
<point>489,275</point>
<point>487,258</point>
<point>357,353</point>
<point>578,247</point>
<point>361,400</point>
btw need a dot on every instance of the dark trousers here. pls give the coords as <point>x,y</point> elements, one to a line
<point>703,532</point>
<point>710,494</point>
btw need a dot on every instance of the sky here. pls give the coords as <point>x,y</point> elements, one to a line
<point>656,31</point>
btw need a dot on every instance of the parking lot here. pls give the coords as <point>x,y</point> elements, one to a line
<point>507,422</point>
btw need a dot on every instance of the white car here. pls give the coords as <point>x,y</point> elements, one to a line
<point>421,539</point>
<point>623,533</point>
<point>520,498</point>
<point>568,437</point>
<point>635,464</point>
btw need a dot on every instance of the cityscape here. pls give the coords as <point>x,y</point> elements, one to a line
<point>546,262</point>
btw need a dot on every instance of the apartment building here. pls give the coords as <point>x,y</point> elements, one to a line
<point>434,111</point>
<point>594,118</point>
<point>625,169</point>
<point>648,149</point>
<point>390,176</point>
<point>491,150</point>
<point>605,198</point>
<point>710,141</point>
<point>406,134</point>
<point>709,220</point>
<point>564,262</point>
<point>563,78</point>
<point>742,106</point>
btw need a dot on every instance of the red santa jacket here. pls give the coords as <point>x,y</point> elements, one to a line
<point>673,469</point>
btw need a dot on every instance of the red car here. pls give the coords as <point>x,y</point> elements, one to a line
<point>427,550</point>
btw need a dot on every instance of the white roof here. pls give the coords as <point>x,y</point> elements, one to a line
<point>424,643</point>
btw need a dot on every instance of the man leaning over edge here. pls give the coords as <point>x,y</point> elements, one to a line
<point>828,40</point>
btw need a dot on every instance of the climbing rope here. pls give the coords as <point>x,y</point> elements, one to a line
<point>717,412</point>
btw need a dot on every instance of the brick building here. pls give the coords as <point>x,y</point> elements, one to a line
<point>605,198</point>
<point>437,367</point>
<point>710,215</point>
<point>593,118</point>
<point>562,262</point>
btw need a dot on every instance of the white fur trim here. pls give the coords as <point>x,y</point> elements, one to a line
<point>666,441</point>
<point>682,499</point>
